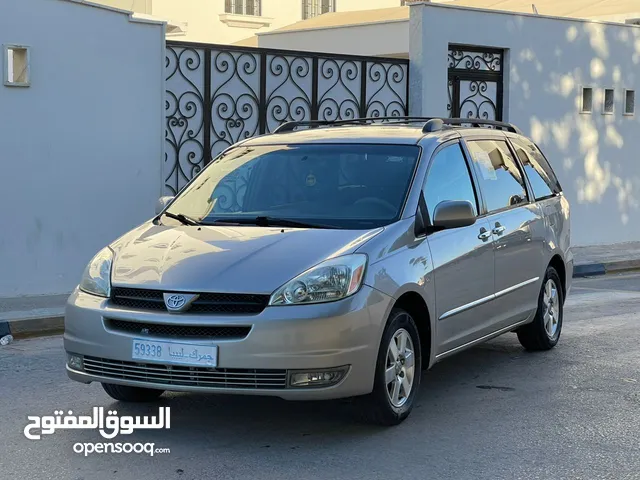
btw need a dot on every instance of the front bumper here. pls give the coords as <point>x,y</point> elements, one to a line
<point>346,333</point>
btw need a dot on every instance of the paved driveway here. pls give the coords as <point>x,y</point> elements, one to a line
<point>494,412</point>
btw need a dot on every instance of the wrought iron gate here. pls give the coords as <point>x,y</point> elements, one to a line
<point>218,95</point>
<point>475,82</point>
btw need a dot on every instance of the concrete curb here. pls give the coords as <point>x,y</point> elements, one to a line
<point>36,327</point>
<point>40,324</point>
<point>32,324</point>
<point>595,269</point>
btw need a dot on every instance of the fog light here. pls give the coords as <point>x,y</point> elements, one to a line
<point>75,362</point>
<point>316,378</point>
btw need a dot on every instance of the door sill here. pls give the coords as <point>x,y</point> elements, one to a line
<point>483,339</point>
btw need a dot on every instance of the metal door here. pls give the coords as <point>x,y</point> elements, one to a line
<point>475,82</point>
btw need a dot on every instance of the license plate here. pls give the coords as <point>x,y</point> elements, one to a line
<point>176,353</point>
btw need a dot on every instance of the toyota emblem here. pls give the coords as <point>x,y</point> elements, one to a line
<point>175,302</point>
<point>179,302</point>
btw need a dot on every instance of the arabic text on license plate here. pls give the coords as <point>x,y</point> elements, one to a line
<point>174,352</point>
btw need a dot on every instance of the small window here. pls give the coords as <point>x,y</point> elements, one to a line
<point>16,66</point>
<point>242,7</point>
<point>608,101</point>
<point>449,179</point>
<point>629,102</point>
<point>587,100</point>
<point>313,8</point>
<point>500,177</point>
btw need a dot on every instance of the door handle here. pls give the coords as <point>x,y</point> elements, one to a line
<point>484,234</point>
<point>498,229</point>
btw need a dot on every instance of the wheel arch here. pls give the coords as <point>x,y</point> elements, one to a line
<point>558,264</point>
<point>414,304</point>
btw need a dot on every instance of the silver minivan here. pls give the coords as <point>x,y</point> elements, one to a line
<point>330,260</point>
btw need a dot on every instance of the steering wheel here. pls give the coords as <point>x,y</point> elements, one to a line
<point>377,201</point>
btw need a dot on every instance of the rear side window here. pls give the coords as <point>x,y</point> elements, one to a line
<point>543,180</point>
<point>448,179</point>
<point>500,177</point>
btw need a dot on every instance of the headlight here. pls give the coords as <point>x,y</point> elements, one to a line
<point>330,280</point>
<point>96,279</point>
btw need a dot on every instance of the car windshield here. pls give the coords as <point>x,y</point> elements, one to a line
<point>350,186</point>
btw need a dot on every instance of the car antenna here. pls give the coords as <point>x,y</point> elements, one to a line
<point>535,10</point>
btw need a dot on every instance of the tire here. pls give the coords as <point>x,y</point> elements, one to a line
<point>385,405</point>
<point>544,332</point>
<point>123,393</point>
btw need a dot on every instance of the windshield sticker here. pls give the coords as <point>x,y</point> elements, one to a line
<point>486,167</point>
<point>311,180</point>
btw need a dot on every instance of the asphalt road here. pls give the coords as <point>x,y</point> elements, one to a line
<point>493,412</point>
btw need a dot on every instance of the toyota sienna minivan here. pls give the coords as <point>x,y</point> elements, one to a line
<point>330,260</point>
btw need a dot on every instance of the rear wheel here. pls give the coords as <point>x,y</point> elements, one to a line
<point>397,377</point>
<point>131,394</point>
<point>544,332</point>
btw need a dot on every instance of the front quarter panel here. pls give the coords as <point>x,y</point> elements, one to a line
<point>400,263</point>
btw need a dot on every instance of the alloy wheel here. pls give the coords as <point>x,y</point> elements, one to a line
<point>400,368</point>
<point>551,305</point>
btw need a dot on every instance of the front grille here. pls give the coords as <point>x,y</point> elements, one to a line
<point>180,331</point>
<point>187,376</point>
<point>220,303</point>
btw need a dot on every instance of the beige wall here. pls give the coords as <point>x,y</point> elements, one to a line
<point>205,24</point>
<point>351,5</point>
<point>140,6</point>
<point>390,39</point>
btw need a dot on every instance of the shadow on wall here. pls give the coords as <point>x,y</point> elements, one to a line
<point>595,154</point>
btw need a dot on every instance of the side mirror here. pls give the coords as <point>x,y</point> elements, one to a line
<point>162,203</point>
<point>453,214</point>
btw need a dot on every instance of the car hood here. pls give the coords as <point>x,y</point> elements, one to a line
<point>226,259</point>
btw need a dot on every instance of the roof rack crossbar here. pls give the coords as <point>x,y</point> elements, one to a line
<point>478,122</point>
<point>291,126</point>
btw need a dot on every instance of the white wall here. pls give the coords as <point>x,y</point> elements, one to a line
<point>595,156</point>
<point>379,39</point>
<point>81,149</point>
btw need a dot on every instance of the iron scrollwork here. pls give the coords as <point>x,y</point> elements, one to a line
<point>184,113</point>
<point>475,60</point>
<point>217,96</point>
<point>339,90</point>
<point>235,80</point>
<point>475,82</point>
<point>478,104</point>
<point>288,90</point>
<point>386,89</point>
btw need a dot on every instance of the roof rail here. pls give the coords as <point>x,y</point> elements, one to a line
<point>475,122</point>
<point>291,126</point>
<point>430,124</point>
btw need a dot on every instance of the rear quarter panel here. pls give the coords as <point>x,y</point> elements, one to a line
<point>557,222</point>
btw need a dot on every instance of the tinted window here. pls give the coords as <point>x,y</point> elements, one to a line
<point>543,181</point>
<point>499,175</point>
<point>448,179</point>
<point>343,186</point>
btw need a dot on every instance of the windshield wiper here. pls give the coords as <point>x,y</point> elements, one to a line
<point>182,218</point>
<point>269,222</point>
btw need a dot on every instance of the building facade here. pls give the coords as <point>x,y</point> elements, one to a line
<point>229,21</point>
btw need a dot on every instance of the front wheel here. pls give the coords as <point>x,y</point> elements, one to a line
<point>544,332</point>
<point>397,376</point>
